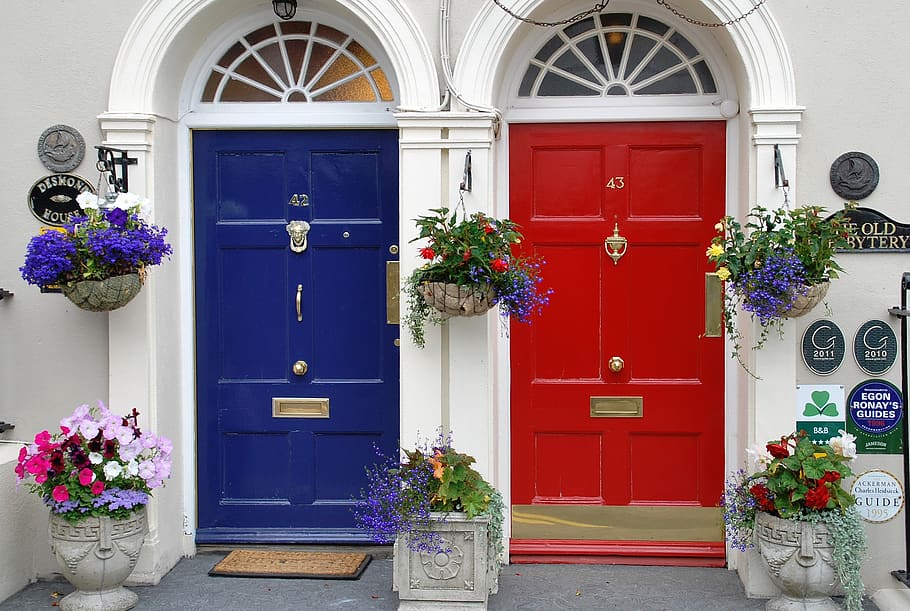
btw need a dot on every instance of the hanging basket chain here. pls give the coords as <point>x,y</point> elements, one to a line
<point>552,24</point>
<point>706,24</point>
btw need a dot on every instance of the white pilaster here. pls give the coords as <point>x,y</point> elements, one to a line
<point>449,382</point>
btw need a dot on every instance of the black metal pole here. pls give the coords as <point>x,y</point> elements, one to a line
<point>902,313</point>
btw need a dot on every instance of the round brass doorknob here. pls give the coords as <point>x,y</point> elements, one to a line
<point>616,364</point>
<point>299,368</point>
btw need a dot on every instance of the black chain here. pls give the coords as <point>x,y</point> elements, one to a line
<point>706,24</point>
<point>551,24</point>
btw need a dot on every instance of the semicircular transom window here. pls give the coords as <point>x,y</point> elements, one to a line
<point>297,61</point>
<point>617,54</point>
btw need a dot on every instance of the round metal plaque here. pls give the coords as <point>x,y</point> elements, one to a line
<point>879,495</point>
<point>824,347</point>
<point>875,347</point>
<point>854,175</point>
<point>61,148</point>
<point>875,406</point>
<point>53,198</point>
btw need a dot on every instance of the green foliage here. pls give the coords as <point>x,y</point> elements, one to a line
<point>804,477</point>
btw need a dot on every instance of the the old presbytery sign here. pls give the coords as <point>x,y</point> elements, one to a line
<point>875,232</point>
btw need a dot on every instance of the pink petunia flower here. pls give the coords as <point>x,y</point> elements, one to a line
<point>97,487</point>
<point>61,494</point>
<point>86,476</point>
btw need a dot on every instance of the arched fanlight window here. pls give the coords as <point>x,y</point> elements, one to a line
<point>297,61</point>
<point>617,54</point>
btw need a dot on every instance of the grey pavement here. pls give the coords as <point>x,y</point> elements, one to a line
<point>543,587</point>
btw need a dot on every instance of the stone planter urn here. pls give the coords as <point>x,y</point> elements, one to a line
<point>96,555</point>
<point>798,557</point>
<point>461,578</point>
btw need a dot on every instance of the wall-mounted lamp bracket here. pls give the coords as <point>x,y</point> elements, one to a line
<point>108,162</point>
<point>4,294</point>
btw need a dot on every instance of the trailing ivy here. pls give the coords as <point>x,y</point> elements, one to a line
<point>849,540</point>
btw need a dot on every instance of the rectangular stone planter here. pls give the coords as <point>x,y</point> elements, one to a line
<point>462,578</point>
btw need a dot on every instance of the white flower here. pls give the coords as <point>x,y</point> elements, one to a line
<point>88,201</point>
<point>845,445</point>
<point>760,455</point>
<point>132,468</point>
<point>95,458</point>
<point>112,469</point>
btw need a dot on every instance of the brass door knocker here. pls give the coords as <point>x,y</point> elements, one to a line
<point>298,230</point>
<point>616,245</point>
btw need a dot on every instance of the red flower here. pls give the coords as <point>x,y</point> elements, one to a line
<point>499,265</point>
<point>829,476</point>
<point>778,450</point>
<point>427,253</point>
<point>762,496</point>
<point>817,498</point>
<point>488,229</point>
<point>467,255</point>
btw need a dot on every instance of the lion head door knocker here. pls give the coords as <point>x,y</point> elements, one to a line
<point>298,230</point>
<point>616,245</point>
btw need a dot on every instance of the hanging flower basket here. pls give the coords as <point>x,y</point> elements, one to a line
<point>806,301</point>
<point>103,295</point>
<point>457,300</point>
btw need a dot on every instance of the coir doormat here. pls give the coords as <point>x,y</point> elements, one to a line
<point>292,565</point>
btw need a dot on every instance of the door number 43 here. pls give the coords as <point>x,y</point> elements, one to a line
<point>616,182</point>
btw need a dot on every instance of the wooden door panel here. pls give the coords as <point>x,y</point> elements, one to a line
<point>594,436</point>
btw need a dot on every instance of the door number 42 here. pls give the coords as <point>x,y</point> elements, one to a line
<point>616,182</point>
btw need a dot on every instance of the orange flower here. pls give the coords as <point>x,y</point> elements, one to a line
<point>438,467</point>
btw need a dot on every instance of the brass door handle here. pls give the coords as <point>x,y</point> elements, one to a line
<point>299,292</point>
<point>616,364</point>
<point>299,368</point>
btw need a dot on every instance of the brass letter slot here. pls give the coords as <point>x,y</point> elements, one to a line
<point>617,407</point>
<point>284,407</point>
<point>714,300</point>
<point>392,293</point>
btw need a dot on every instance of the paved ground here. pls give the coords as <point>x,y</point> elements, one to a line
<point>522,587</point>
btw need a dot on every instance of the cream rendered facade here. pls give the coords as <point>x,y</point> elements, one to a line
<point>815,80</point>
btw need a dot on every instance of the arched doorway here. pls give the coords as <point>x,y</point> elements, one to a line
<point>625,368</point>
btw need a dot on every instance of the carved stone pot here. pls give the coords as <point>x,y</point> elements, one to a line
<point>798,557</point>
<point>96,555</point>
<point>462,578</point>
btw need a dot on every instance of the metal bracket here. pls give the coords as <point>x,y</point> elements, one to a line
<point>108,162</point>
<point>780,178</point>
<point>6,426</point>
<point>4,294</point>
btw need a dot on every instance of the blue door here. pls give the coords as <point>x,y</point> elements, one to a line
<point>297,363</point>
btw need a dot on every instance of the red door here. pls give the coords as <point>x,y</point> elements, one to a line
<point>617,390</point>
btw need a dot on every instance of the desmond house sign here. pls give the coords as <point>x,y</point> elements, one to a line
<point>875,232</point>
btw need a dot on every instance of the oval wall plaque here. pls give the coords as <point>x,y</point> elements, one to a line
<point>824,347</point>
<point>53,198</point>
<point>875,347</point>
